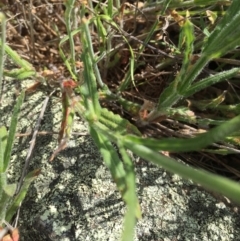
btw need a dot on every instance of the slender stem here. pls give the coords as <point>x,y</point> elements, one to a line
<point>68,17</point>
<point>92,56</point>
<point>2,49</point>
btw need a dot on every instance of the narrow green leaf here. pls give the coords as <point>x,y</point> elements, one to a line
<point>20,74</point>
<point>130,197</point>
<point>10,189</point>
<point>227,109</point>
<point>207,2</point>
<point>129,106</point>
<point>165,6</point>
<point>182,114</point>
<point>63,56</point>
<point>111,159</point>
<point>187,35</point>
<point>70,20</point>
<point>4,202</point>
<point>213,104</point>
<point>129,75</point>
<point>191,74</point>
<point>16,58</point>
<point>110,8</point>
<point>132,68</point>
<point>90,85</point>
<point>171,95</point>
<point>3,144</point>
<point>226,35</point>
<point>12,130</point>
<point>124,177</point>
<point>21,195</point>
<point>2,45</point>
<point>204,83</point>
<point>3,195</point>
<point>208,122</point>
<point>182,145</point>
<point>126,82</point>
<point>117,124</point>
<point>102,32</point>
<point>211,181</point>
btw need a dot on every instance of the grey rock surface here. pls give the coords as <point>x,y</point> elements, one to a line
<point>74,197</point>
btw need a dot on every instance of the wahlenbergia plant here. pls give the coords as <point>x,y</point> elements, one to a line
<point>106,127</point>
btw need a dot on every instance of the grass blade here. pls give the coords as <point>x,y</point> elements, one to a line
<point>124,178</point>
<point>68,16</point>
<point>204,83</point>
<point>111,159</point>
<point>182,145</point>
<point>210,181</point>
<point>4,198</point>
<point>20,74</point>
<point>3,144</point>
<point>89,88</point>
<point>117,123</point>
<point>12,130</point>
<point>130,197</point>
<point>171,94</point>
<point>226,36</point>
<point>17,59</point>
<point>21,195</point>
<point>2,49</point>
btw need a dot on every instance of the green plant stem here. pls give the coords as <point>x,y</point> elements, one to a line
<point>68,17</point>
<point>91,53</point>
<point>2,50</point>
<point>211,181</point>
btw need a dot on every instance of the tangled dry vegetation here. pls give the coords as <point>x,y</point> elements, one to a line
<point>35,29</point>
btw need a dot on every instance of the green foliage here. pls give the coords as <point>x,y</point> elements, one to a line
<point>2,41</point>
<point>124,177</point>
<point>7,139</point>
<point>25,70</point>
<point>89,87</point>
<point>211,181</point>
<point>9,200</point>
<point>224,38</point>
<point>107,127</point>
<point>183,145</point>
